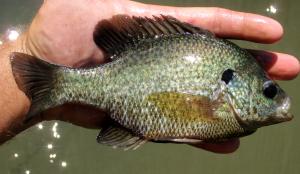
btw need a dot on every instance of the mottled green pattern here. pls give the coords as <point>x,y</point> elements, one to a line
<point>185,64</point>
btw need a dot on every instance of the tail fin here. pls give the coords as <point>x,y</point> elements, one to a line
<point>35,78</point>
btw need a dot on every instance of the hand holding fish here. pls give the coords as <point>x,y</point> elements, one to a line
<point>62,33</point>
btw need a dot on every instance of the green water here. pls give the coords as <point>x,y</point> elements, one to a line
<point>271,150</point>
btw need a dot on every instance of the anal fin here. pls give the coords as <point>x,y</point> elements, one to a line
<point>119,137</point>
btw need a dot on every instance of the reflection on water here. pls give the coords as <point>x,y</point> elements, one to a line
<point>271,9</point>
<point>50,146</point>
<point>12,35</point>
<point>16,155</point>
<point>55,147</point>
<point>49,131</point>
<point>54,130</point>
<point>40,126</point>
<point>64,164</point>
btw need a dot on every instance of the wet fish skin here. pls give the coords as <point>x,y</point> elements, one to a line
<point>129,86</point>
<point>168,87</point>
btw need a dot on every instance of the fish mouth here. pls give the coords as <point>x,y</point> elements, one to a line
<point>282,112</point>
<point>285,117</point>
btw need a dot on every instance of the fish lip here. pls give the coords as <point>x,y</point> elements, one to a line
<point>282,112</point>
<point>285,117</point>
<point>286,105</point>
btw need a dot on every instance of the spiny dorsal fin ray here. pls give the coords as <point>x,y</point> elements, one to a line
<point>121,32</point>
<point>118,137</point>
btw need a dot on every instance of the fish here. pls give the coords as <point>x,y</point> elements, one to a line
<point>165,81</point>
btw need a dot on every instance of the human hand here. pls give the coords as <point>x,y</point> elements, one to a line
<point>62,33</point>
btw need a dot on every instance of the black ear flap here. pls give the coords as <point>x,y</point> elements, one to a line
<point>227,75</point>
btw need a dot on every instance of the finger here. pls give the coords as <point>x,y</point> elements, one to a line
<point>223,147</point>
<point>279,66</point>
<point>223,22</point>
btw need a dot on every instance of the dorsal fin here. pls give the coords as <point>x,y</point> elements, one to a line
<point>116,34</point>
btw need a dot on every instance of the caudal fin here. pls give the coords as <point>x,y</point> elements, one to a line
<point>35,78</point>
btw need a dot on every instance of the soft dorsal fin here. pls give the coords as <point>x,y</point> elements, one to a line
<point>116,34</point>
<point>118,137</point>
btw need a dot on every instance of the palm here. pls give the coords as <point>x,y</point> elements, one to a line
<point>64,35</point>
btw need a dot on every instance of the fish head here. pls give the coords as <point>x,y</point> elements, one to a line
<point>256,99</point>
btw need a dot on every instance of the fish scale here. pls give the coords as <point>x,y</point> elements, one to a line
<point>133,81</point>
<point>183,85</point>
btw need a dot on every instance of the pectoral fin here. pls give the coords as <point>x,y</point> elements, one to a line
<point>185,106</point>
<point>119,137</point>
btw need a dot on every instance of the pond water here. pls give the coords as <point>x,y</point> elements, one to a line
<point>56,147</point>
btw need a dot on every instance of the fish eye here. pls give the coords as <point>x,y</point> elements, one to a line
<point>227,75</point>
<point>270,90</point>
